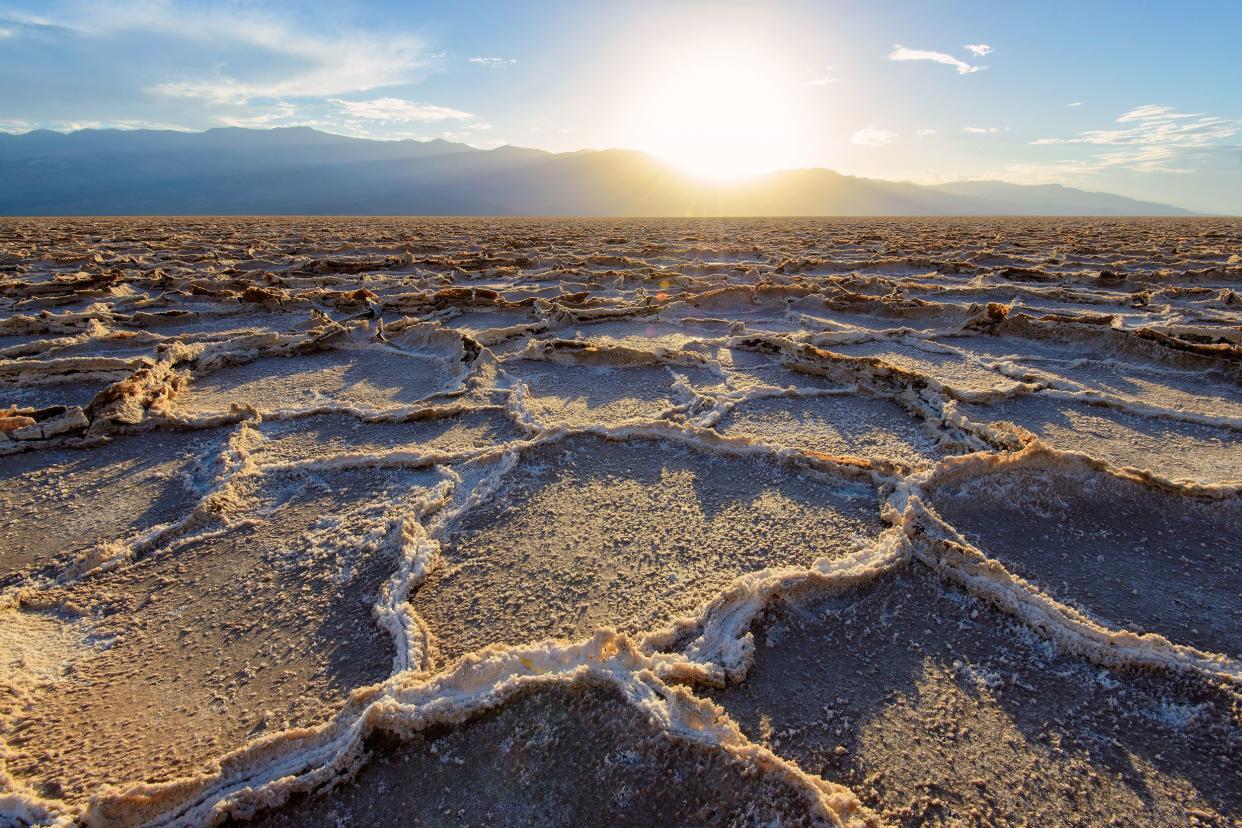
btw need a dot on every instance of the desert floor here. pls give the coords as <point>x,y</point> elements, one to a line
<point>524,522</point>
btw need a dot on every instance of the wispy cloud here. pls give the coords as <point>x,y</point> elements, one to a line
<point>962,67</point>
<point>16,24</point>
<point>1074,104</point>
<point>925,133</point>
<point>231,63</point>
<point>984,130</point>
<point>493,62</point>
<point>398,110</point>
<point>20,126</point>
<point>286,60</point>
<point>1153,138</point>
<point>224,90</point>
<point>978,49</point>
<point>823,80</point>
<point>1151,112</point>
<point>873,136</point>
<point>278,113</point>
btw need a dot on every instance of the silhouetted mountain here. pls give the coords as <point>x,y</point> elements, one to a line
<point>299,170</point>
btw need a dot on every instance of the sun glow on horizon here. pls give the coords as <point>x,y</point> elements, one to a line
<point>721,112</point>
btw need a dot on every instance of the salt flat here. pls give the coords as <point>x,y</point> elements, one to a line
<point>516,521</point>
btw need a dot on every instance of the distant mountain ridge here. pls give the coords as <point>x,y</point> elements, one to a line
<point>298,170</point>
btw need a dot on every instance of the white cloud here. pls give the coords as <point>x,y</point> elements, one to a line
<point>873,137</point>
<point>493,62</point>
<point>280,113</point>
<point>244,63</point>
<point>288,60</point>
<point>1074,104</point>
<point>925,133</point>
<point>984,130</point>
<point>978,49</point>
<point>395,109</point>
<point>1151,112</point>
<point>902,53</point>
<point>222,91</point>
<point>18,24</point>
<point>1154,136</point>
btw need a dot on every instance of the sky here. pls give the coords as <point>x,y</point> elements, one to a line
<point>1140,98</point>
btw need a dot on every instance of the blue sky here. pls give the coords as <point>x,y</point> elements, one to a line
<point>1139,98</point>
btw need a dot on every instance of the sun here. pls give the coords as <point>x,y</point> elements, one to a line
<point>720,111</point>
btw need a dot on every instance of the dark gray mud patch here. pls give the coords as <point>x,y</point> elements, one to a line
<point>562,756</point>
<point>1130,555</point>
<point>938,710</point>
<point>57,504</point>
<point>48,394</point>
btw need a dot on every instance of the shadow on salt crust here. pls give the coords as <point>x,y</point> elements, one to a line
<point>374,377</point>
<point>48,394</point>
<point>1201,392</point>
<point>585,394</point>
<point>493,325</point>
<point>848,424</point>
<point>55,505</point>
<point>588,533</point>
<point>746,370</point>
<point>938,710</point>
<point>264,627</point>
<point>640,333</point>
<point>1170,448</point>
<point>1127,554</point>
<point>561,756</point>
<point>952,370</point>
<point>199,323</point>
<point>1199,386</point>
<point>325,435</point>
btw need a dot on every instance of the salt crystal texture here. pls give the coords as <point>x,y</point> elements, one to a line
<point>801,522</point>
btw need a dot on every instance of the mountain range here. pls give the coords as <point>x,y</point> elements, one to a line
<point>302,171</point>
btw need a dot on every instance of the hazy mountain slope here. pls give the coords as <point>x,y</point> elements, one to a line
<point>303,171</point>
<point>1051,198</point>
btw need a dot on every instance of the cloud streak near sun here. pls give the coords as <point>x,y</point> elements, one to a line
<point>873,136</point>
<point>492,62</point>
<point>963,68</point>
<point>718,92</point>
<point>1153,137</point>
<point>395,109</point>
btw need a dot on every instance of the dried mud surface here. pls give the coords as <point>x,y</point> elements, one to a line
<point>531,522</point>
